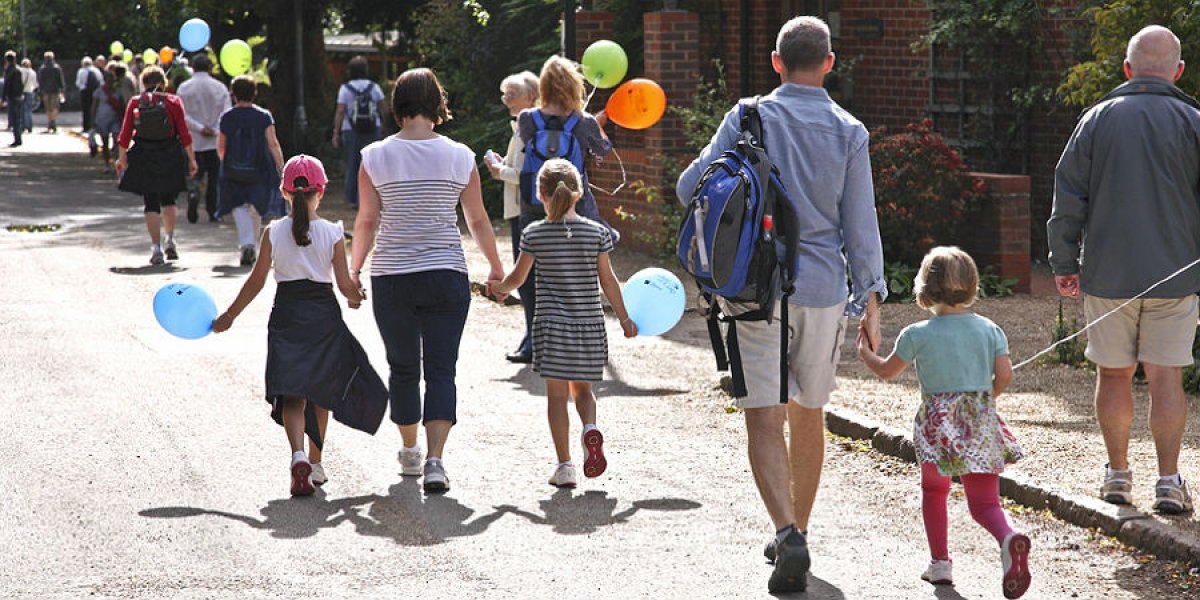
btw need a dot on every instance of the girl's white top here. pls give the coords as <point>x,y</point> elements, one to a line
<point>419,184</point>
<point>314,261</point>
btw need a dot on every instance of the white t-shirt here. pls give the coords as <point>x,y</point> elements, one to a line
<point>205,99</point>
<point>314,261</point>
<point>346,97</point>
<point>419,184</point>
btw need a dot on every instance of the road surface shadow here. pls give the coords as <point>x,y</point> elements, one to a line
<point>818,589</point>
<point>406,515</point>
<point>571,514</point>
<point>232,271</point>
<point>165,269</point>
<point>613,385</point>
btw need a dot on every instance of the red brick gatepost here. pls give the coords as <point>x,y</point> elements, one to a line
<point>999,234</point>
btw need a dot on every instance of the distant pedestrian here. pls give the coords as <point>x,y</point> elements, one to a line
<point>108,110</point>
<point>52,86</point>
<point>412,186</point>
<point>314,364</point>
<point>356,121</point>
<point>29,79</point>
<point>963,366</point>
<point>205,99</point>
<point>1126,215</point>
<point>159,161</point>
<point>518,92</point>
<point>88,79</point>
<point>14,97</point>
<point>251,161</point>
<point>570,346</point>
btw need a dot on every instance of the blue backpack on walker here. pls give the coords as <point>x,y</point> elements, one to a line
<point>545,145</point>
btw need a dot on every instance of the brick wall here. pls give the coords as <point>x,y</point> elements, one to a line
<point>888,85</point>
<point>1000,230</point>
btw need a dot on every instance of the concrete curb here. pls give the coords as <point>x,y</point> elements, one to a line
<point>1131,526</point>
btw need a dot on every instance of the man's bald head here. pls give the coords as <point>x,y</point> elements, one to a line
<point>1153,52</point>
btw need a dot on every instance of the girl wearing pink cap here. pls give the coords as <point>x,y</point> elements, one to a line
<point>314,364</point>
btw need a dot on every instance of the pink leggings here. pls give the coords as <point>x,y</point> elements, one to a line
<point>983,498</point>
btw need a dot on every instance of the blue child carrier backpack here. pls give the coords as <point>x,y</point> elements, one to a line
<point>738,240</point>
<point>546,144</point>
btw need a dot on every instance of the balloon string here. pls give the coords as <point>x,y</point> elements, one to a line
<point>589,98</point>
<point>621,163</point>
<point>1105,315</point>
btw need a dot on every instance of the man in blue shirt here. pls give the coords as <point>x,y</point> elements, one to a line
<point>821,152</point>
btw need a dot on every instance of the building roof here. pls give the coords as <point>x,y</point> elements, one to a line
<point>358,43</point>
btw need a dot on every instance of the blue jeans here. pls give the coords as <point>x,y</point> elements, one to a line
<point>29,98</point>
<point>421,317</point>
<point>353,143</point>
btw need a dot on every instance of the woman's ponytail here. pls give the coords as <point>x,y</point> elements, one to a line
<point>300,220</point>
<point>559,186</point>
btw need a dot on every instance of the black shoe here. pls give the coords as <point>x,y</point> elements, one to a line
<point>519,357</point>
<point>248,256</point>
<point>14,145</point>
<point>193,214</point>
<point>791,565</point>
<point>172,252</point>
<point>92,152</point>
<point>769,551</point>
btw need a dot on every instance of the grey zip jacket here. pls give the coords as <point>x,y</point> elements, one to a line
<point>1127,194</point>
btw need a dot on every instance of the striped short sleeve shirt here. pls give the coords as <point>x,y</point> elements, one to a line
<point>568,283</point>
<point>419,183</point>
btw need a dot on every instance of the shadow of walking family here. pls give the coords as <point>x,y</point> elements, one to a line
<point>411,518</point>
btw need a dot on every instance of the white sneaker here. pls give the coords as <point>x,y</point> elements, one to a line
<point>435,477</point>
<point>1117,487</point>
<point>318,474</point>
<point>1171,498</point>
<point>564,476</point>
<point>411,461</point>
<point>939,572</point>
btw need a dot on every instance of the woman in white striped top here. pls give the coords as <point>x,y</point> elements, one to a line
<point>410,186</point>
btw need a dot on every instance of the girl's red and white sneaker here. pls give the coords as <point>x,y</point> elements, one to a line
<point>302,477</point>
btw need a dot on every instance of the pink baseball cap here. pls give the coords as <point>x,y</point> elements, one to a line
<point>308,167</point>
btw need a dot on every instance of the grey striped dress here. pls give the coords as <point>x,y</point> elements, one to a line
<point>569,342</point>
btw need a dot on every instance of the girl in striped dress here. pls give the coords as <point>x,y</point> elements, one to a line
<point>570,347</point>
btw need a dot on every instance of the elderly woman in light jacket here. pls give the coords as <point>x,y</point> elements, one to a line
<point>518,92</point>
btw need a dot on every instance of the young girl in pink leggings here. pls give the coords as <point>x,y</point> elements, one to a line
<point>962,364</point>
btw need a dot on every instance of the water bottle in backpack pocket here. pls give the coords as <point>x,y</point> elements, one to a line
<point>553,138</point>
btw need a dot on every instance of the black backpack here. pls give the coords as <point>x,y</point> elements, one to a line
<point>363,113</point>
<point>151,121</point>
<point>738,240</point>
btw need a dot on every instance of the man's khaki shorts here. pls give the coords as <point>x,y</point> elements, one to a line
<point>1158,331</point>
<point>50,101</point>
<point>813,351</point>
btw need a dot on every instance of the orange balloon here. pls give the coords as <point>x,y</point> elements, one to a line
<point>166,55</point>
<point>636,104</point>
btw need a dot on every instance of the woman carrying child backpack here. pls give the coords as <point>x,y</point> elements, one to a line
<point>962,365</point>
<point>314,364</point>
<point>570,346</point>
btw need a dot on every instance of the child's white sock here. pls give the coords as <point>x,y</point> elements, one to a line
<point>299,456</point>
<point>588,427</point>
<point>1172,478</point>
<point>170,237</point>
<point>566,464</point>
<point>1112,471</point>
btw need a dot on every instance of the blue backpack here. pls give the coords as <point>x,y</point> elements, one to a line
<point>546,144</point>
<point>738,240</point>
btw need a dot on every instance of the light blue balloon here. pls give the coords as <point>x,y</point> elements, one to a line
<point>655,299</point>
<point>185,310</point>
<point>193,34</point>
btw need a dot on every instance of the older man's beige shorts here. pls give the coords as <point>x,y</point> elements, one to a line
<point>50,101</point>
<point>813,351</point>
<point>1158,331</point>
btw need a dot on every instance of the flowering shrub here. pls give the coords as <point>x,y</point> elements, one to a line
<point>922,191</point>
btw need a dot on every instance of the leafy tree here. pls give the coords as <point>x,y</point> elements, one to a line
<point>1113,23</point>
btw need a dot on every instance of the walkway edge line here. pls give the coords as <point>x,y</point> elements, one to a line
<point>1129,525</point>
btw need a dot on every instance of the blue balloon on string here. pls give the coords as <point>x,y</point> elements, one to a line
<point>193,34</point>
<point>655,299</point>
<point>185,310</point>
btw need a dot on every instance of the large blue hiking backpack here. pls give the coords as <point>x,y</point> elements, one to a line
<point>738,240</point>
<point>546,144</point>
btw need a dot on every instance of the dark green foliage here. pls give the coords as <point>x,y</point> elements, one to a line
<point>900,281</point>
<point>991,285</point>
<point>702,119</point>
<point>1068,353</point>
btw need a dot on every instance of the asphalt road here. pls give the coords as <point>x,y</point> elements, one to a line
<point>137,465</point>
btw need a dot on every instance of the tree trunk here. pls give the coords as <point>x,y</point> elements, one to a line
<point>318,87</point>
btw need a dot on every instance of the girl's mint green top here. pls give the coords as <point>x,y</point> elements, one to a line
<point>953,353</point>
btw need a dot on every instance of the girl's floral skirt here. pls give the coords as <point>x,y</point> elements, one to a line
<point>961,433</point>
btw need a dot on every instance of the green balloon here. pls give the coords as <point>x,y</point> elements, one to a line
<point>235,57</point>
<point>604,64</point>
<point>127,55</point>
<point>149,56</point>
<point>116,48</point>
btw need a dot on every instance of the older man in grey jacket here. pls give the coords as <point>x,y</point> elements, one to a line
<point>1126,217</point>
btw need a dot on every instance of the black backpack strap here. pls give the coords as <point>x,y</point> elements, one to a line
<point>735,362</point>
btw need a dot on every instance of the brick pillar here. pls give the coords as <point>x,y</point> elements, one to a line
<point>590,26</point>
<point>1001,229</point>
<point>672,59</point>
